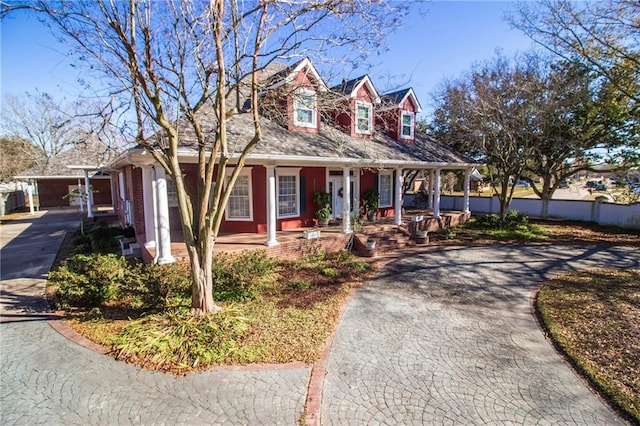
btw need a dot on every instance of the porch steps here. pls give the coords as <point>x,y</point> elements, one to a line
<point>387,237</point>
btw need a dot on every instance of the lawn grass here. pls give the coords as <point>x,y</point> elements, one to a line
<point>594,318</point>
<point>539,231</point>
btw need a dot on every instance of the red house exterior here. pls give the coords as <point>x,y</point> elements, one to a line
<point>344,140</point>
<point>70,170</point>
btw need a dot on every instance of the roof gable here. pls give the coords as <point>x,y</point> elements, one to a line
<point>289,74</point>
<point>350,88</point>
<point>397,99</point>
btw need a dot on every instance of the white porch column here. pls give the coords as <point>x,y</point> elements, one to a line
<point>346,200</point>
<point>436,195</point>
<point>32,208</point>
<point>398,201</point>
<point>80,195</point>
<point>121,186</point>
<point>87,188</point>
<point>432,175</point>
<point>149,214</point>
<point>467,181</point>
<point>271,207</point>
<point>163,227</point>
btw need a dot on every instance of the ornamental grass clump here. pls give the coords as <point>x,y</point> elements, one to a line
<point>177,340</point>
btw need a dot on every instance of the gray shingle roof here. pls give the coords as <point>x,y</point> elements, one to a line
<point>84,154</point>
<point>346,87</point>
<point>332,144</point>
<point>394,97</point>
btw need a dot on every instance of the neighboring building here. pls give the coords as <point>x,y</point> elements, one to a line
<point>69,171</point>
<point>344,140</point>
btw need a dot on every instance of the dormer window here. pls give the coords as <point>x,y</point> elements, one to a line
<point>304,109</point>
<point>408,124</point>
<point>364,117</point>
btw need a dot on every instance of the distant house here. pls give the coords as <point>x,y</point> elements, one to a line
<point>344,140</point>
<point>72,170</point>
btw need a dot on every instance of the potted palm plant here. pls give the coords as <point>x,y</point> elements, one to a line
<point>370,203</point>
<point>322,199</point>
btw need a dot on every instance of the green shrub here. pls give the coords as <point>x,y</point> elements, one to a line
<point>239,276</point>
<point>184,340</point>
<point>359,265</point>
<point>512,220</point>
<point>299,284</point>
<point>329,272</point>
<point>89,280</point>
<point>491,221</point>
<point>156,286</point>
<point>341,257</point>
<point>103,238</point>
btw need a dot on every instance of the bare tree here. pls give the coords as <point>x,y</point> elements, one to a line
<point>16,155</point>
<point>50,125</point>
<point>603,35</point>
<point>187,67</point>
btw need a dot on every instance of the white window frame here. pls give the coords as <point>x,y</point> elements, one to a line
<point>295,172</point>
<point>246,172</point>
<point>383,202</point>
<point>411,126</point>
<point>298,103</point>
<point>368,106</point>
<point>172,192</point>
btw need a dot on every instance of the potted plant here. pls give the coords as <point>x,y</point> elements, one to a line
<point>421,236</point>
<point>371,243</point>
<point>370,202</point>
<point>323,214</point>
<point>323,200</point>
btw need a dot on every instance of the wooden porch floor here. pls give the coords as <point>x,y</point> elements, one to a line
<point>252,241</point>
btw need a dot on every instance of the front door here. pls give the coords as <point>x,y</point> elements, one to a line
<point>335,191</point>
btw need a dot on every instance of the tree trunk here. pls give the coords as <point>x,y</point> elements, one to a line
<point>545,208</point>
<point>202,290</point>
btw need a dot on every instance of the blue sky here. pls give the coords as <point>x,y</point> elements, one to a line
<point>441,43</point>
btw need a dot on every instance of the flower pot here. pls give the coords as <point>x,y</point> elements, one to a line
<point>421,237</point>
<point>323,222</point>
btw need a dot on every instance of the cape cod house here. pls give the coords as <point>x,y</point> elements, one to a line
<point>343,140</point>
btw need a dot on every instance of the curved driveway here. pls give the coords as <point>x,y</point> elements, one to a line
<point>47,379</point>
<point>447,336</point>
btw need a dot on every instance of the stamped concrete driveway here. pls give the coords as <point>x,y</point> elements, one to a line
<point>447,336</point>
<point>47,379</point>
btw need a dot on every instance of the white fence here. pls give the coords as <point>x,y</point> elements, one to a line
<point>625,216</point>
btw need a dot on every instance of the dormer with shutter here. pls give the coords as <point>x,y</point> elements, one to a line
<point>397,115</point>
<point>354,109</point>
<point>290,97</point>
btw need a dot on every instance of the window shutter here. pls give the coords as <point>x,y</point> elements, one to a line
<point>303,195</point>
